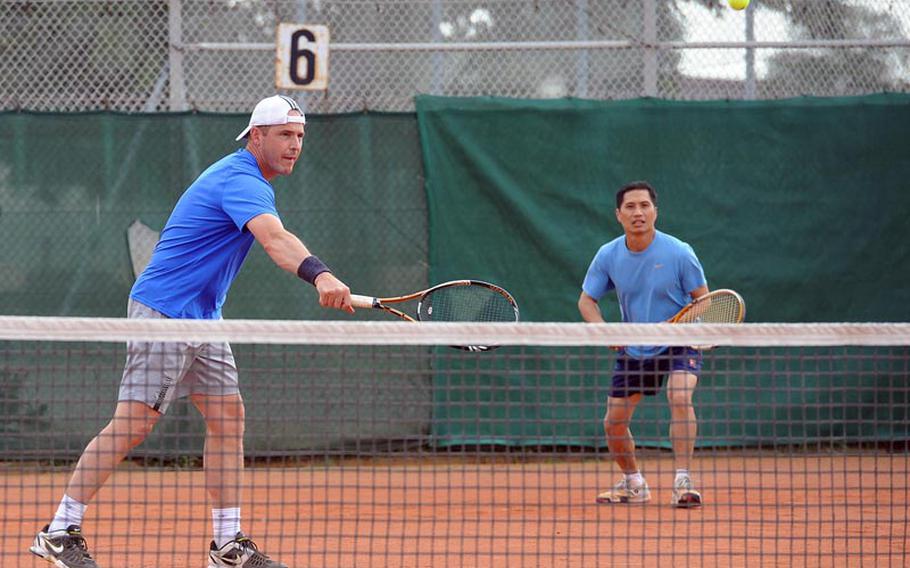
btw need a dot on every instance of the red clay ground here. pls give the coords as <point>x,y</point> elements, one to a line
<point>815,511</point>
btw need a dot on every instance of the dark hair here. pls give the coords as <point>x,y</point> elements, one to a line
<point>633,186</point>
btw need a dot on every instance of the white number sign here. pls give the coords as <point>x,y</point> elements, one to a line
<point>302,57</point>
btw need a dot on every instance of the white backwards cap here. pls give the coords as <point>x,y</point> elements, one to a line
<point>271,111</point>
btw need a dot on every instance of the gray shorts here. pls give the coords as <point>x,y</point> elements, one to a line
<point>158,373</point>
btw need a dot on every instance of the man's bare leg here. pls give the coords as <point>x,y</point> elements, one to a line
<point>223,454</point>
<point>131,424</point>
<point>683,433</point>
<point>632,488</point>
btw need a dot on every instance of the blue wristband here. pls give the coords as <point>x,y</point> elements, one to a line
<point>310,268</point>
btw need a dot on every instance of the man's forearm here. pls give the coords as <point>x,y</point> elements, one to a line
<point>287,251</point>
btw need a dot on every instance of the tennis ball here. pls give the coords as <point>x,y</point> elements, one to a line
<point>739,4</point>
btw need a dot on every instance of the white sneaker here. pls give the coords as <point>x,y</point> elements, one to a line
<point>684,494</point>
<point>624,492</point>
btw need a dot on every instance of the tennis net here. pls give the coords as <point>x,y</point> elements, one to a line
<point>375,444</point>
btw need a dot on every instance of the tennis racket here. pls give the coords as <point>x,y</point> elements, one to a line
<point>719,306</point>
<point>455,301</point>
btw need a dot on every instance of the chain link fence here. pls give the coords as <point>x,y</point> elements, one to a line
<point>219,55</point>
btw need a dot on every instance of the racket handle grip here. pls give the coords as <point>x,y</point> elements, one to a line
<point>363,302</point>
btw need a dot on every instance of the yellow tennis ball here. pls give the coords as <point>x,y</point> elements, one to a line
<point>739,4</point>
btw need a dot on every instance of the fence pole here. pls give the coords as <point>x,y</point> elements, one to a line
<point>749,93</point>
<point>177,99</point>
<point>649,25</point>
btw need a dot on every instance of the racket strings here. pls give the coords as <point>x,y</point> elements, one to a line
<point>722,309</point>
<point>467,304</point>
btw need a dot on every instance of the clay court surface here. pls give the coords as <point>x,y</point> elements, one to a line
<point>761,510</point>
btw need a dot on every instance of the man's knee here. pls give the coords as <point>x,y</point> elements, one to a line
<point>616,424</point>
<point>223,415</point>
<point>679,398</point>
<point>680,389</point>
<point>131,430</point>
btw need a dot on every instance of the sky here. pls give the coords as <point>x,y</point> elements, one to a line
<point>703,25</point>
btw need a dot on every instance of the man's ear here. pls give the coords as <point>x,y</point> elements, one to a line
<point>256,135</point>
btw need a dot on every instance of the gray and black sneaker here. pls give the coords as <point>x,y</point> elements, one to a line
<point>63,549</point>
<point>240,553</point>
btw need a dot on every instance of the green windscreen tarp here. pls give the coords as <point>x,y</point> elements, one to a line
<point>72,185</point>
<point>801,205</point>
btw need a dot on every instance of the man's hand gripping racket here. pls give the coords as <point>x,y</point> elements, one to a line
<point>455,301</point>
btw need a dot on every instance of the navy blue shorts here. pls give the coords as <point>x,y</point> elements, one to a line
<point>646,376</point>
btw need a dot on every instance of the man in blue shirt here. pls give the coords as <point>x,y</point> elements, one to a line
<point>654,275</point>
<point>198,255</point>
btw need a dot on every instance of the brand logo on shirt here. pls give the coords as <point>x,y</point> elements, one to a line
<point>658,265</point>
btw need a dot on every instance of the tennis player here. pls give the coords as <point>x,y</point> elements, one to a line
<point>654,275</point>
<point>200,252</point>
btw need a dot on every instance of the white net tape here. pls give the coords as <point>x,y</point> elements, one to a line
<point>28,328</point>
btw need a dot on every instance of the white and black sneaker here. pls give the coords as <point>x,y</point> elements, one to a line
<point>63,549</point>
<point>240,553</point>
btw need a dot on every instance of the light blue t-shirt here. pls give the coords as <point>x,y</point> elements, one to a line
<point>203,245</point>
<point>651,285</point>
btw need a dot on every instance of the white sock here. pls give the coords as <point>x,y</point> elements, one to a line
<point>70,512</point>
<point>682,473</point>
<point>635,479</point>
<point>225,524</point>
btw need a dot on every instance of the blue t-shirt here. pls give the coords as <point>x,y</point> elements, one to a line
<point>205,241</point>
<point>651,285</point>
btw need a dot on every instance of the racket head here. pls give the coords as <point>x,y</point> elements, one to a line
<point>468,301</point>
<point>719,306</point>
